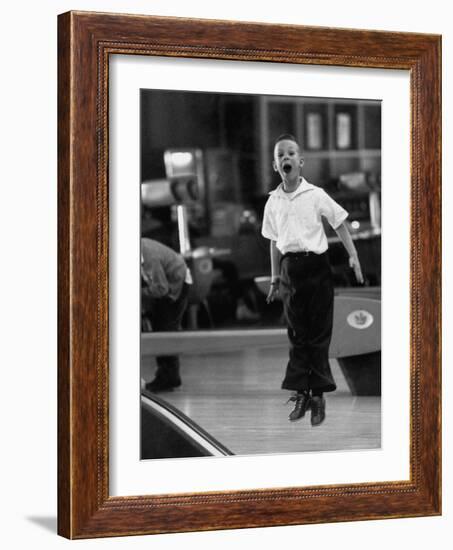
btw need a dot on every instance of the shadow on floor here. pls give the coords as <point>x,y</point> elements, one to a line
<point>49,523</point>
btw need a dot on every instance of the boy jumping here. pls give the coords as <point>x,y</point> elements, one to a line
<point>301,274</point>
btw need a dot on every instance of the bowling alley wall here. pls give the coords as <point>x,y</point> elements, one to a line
<point>232,137</point>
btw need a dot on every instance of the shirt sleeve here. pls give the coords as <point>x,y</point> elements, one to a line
<point>157,280</point>
<point>268,229</point>
<point>331,210</point>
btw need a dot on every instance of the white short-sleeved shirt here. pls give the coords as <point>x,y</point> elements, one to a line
<point>293,220</point>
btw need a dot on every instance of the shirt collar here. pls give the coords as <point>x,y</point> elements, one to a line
<point>304,186</point>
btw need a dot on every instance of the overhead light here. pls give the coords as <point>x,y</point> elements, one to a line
<point>180,160</point>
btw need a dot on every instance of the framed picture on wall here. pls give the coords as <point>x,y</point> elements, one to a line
<point>205,169</point>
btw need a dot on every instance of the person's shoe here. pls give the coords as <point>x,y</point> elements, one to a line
<point>318,410</point>
<point>157,386</point>
<point>302,401</point>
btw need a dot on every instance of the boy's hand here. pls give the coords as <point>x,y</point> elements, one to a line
<point>355,265</point>
<point>273,292</point>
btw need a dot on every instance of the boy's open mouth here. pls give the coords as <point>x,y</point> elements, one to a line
<point>287,168</point>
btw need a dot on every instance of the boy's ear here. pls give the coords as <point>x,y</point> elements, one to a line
<point>301,162</point>
<point>274,166</point>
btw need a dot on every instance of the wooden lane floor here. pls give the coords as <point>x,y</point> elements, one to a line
<point>236,396</point>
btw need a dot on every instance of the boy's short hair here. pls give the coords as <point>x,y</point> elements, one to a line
<point>283,137</point>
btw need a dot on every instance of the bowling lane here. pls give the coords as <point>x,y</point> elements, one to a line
<point>236,396</point>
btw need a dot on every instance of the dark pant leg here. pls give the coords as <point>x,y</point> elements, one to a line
<point>166,316</point>
<point>294,307</point>
<point>307,293</point>
<point>320,331</point>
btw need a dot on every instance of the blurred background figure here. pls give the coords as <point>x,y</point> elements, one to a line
<point>165,286</point>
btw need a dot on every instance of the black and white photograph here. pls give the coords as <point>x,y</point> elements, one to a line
<point>260,275</point>
<point>226,266</point>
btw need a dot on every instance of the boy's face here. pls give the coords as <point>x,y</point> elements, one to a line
<point>288,160</point>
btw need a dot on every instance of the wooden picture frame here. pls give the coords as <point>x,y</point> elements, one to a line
<point>85,41</point>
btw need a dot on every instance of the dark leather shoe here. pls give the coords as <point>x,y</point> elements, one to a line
<point>157,386</point>
<point>302,401</point>
<point>318,410</point>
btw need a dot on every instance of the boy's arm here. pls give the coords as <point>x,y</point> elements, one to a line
<point>343,232</point>
<point>275,261</point>
<point>275,271</point>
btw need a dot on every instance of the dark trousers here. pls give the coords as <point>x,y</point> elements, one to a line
<point>166,315</point>
<point>306,288</point>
